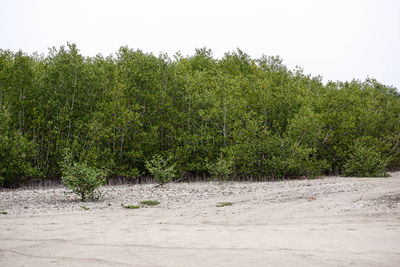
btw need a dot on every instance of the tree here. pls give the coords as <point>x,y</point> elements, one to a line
<point>16,154</point>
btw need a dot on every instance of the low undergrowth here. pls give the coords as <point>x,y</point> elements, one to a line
<point>150,202</point>
<point>131,207</point>
<point>224,204</point>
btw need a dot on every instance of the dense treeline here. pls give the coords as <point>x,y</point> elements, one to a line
<point>231,117</point>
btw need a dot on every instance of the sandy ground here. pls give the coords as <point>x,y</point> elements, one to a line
<point>324,222</point>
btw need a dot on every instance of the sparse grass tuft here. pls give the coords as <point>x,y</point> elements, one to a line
<point>150,202</point>
<point>131,207</point>
<point>84,207</point>
<point>4,212</point>
<point>223,204</point>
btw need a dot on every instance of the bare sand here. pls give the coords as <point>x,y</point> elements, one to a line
<point>332,221</point>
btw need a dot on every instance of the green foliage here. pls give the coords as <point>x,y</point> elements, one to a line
<point>221,168</point>
<point>4,212</point>
<point>150,202</point>
<point>260,153</point>
<point>131,207</point>
<point>160,168</point>
<point>366,160</point>
<point>17,154</point>
<point>224,204</point>
<point>81,179</point>
<point>84,208</point>
<point>230,117</point>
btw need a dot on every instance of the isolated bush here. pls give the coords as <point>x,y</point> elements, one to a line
<point>82,179</point>
<point>161,169</point>
<point>366,161</point>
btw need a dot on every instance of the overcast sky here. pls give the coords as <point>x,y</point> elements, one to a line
<point>337,39</point>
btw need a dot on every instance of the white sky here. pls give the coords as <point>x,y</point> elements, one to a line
<point>337,39</point>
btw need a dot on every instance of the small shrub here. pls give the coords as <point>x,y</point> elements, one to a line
<point>82,179</point>
<point>131,207</point>
<point>162,171</point>
<point>4,212</point>
<point>150,202</point>
<point>222,168</point>
<point>223,204</point>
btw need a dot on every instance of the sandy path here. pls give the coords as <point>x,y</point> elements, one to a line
<point>330,222</point>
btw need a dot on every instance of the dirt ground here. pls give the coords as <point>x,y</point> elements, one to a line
<point>332,221</point>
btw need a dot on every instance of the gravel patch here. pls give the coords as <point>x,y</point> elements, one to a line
<point>56,200</point>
